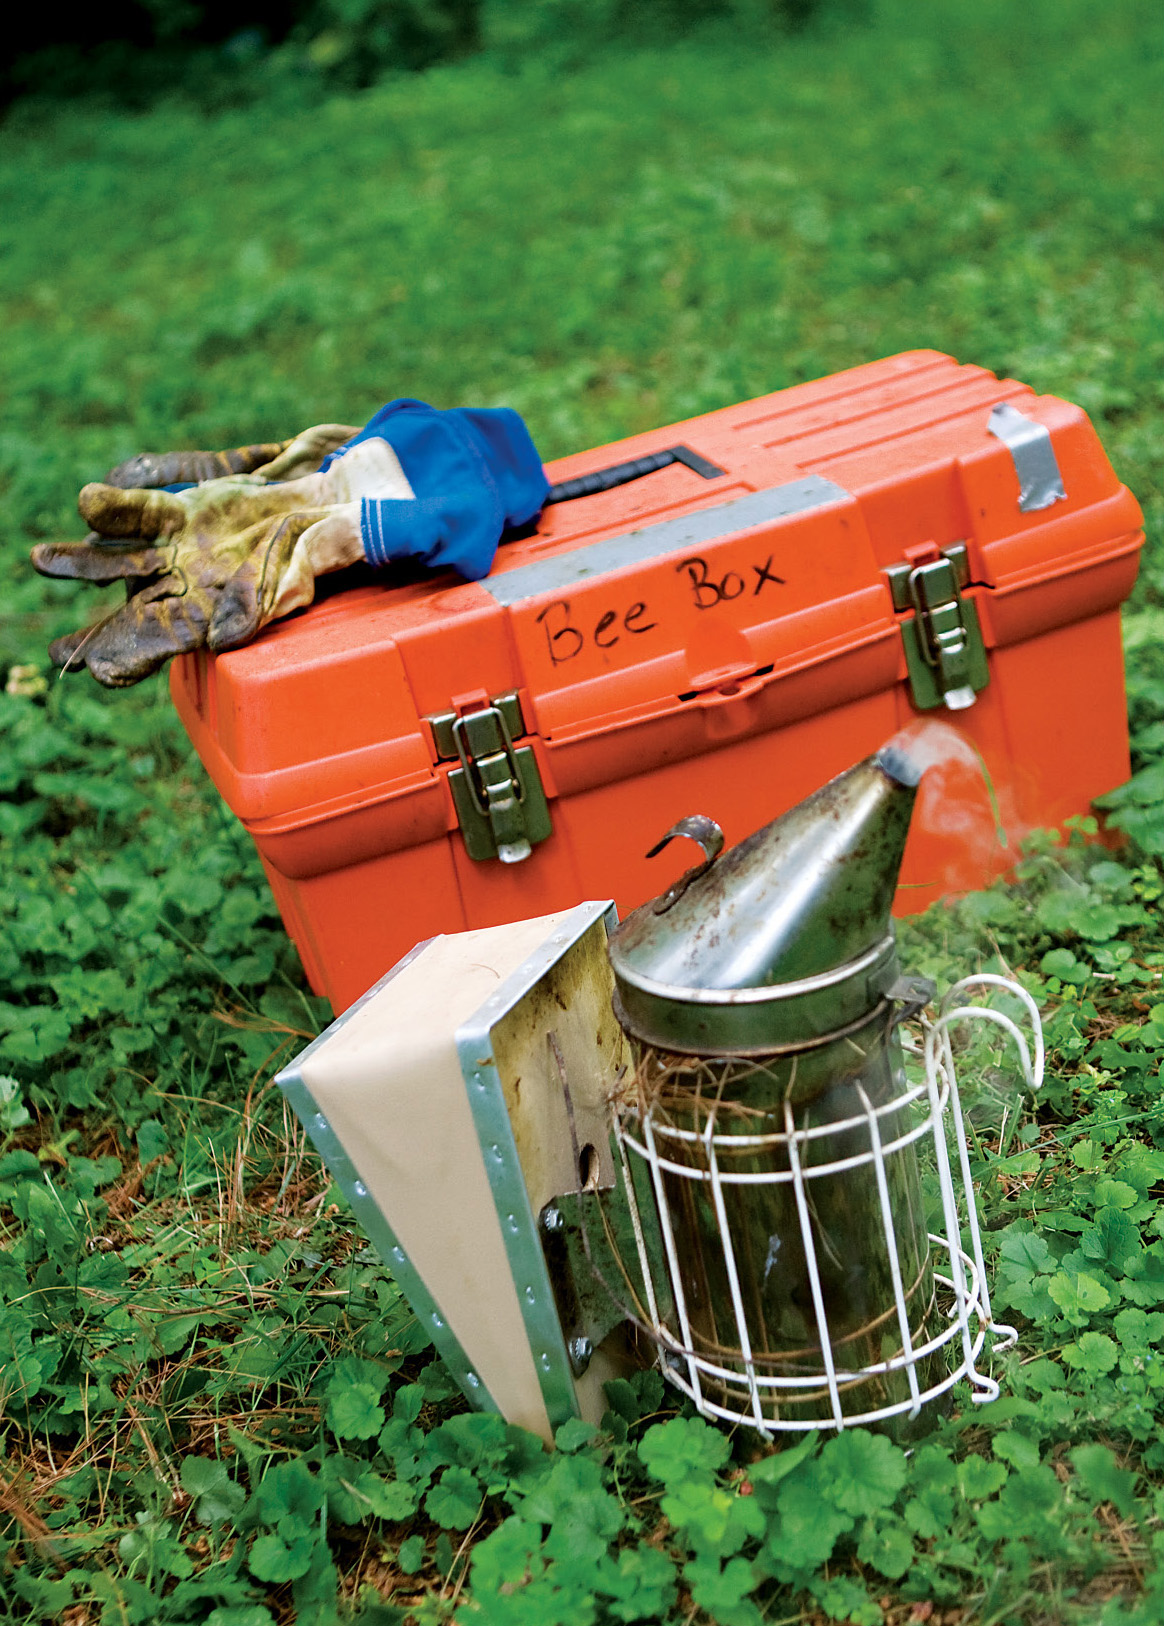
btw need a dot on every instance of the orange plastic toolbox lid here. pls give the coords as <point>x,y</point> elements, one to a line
<point>631,616</point>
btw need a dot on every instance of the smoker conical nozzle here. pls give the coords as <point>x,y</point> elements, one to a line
<point>784,940</point>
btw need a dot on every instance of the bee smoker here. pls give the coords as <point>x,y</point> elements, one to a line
<point>771,1117</point>
<point>725,1177</point>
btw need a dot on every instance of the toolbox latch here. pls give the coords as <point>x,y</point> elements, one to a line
<point>943,638</point>
<point>496,788</point>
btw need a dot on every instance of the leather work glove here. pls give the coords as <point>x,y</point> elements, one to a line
<point>214,563</point>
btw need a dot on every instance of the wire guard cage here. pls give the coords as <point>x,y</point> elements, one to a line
<point>872,1340</point>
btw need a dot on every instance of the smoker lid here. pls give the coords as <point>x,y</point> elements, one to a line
<point>786,918</point>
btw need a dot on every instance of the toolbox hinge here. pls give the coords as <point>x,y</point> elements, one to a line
<point>496,789</point>
<point>943,639</point>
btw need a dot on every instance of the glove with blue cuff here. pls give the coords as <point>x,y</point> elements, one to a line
<point>212,563</point>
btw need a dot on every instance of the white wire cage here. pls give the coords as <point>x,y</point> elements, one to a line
<point>933,1332</point>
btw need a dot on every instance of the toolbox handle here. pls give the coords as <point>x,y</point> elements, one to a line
<point>721,688</point>
<point>620,474</point>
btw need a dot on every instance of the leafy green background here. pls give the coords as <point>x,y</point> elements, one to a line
<point>216,1406</point>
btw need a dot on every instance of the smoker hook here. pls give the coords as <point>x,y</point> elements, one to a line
<point>707,833</point>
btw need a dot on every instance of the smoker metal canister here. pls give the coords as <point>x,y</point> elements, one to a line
<point>783,941</point>
<point>762,992</point>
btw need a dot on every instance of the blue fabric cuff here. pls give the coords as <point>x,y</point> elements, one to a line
<point>475,473</point>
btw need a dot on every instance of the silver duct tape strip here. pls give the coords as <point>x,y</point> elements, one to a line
<point>1029,444</point>
<point>583,565</point>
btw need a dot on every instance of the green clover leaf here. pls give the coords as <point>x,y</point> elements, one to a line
<point>863,1472</point>
<point>272,1559</point>
<point>455,1500</point>
<point>216,1496</point>
<point>979,1478</point>
<point>685,1445</point>
<point>887,1547</point>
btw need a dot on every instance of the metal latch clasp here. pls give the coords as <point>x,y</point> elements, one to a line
<point>943,638</point>
<point>496,789</point>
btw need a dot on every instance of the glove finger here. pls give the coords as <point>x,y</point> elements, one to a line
<point>245,601</point>
<point>134,513</point>
<point>306,452</point>
<point>178,468</point>
<point>62,650</point>
<point>89,561</point>
<point>161,621</point>
<point>332,543</point>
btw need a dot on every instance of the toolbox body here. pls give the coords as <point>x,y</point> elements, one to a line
<point>910,539</point>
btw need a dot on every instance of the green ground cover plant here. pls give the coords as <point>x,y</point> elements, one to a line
<point>215,1405</point>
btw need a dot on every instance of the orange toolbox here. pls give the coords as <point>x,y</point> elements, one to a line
<point>812,571</point>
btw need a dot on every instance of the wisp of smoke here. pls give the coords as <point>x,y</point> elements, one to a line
<point>923,745</point>
<point>958,802</point>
